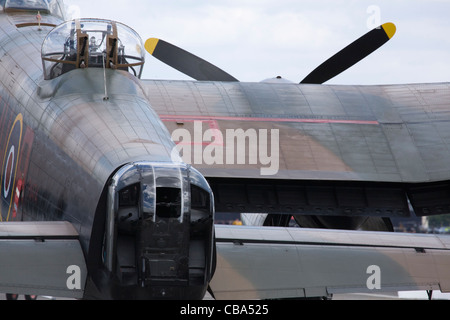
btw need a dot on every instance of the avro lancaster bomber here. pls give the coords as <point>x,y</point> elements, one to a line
<point>110,183</point>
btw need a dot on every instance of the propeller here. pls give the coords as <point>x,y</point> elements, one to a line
<point>202,70</point>
<point>186,62</point>
<point>350,55</point>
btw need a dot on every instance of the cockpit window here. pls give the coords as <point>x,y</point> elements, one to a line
<point>52,7</point>
<point>92,43</point>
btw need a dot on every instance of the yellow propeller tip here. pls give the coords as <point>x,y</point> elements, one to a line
<point>390,29</point>
<point>151,44</point>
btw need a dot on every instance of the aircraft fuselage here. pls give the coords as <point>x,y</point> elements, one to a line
<point>103,164</point>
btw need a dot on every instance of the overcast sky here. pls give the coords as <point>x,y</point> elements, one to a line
<point>258,39</point>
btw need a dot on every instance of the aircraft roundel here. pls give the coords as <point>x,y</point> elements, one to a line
<point>8,171</point>
<point>9,168</point>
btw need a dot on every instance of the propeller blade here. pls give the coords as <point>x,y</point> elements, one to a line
<point>352,54</point>
<point>185,62</point>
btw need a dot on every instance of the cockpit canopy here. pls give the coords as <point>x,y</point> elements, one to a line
<point>92,43</point>
<point>53,7</point>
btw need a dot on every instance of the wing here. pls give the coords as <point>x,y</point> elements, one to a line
<point>313,145</point>
<point>41,258</point>
<point>361,133</point>
<point>272,263</point>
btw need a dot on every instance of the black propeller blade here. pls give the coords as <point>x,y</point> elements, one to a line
<point>351,54</point>
<point>185,62</point>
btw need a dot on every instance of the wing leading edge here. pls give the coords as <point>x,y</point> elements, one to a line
<point>273,263</point>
